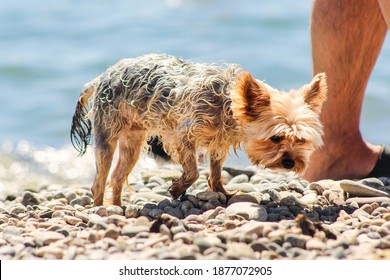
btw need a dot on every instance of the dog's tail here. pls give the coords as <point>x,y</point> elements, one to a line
<point>81,131</point>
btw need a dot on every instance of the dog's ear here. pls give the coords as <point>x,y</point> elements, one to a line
<point>315,92</point>
<point>250,97</point>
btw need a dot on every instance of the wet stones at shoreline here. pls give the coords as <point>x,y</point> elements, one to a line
<point>273,216</point>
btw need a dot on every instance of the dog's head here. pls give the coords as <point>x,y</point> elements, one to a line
<point>279,130</point>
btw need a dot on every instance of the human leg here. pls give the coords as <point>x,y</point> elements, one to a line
<point>385,9</point>
<point>347,37</point>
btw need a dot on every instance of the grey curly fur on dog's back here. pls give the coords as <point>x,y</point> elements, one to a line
<point>159,93</point>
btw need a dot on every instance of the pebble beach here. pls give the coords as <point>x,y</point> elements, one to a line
<point>272,215</point>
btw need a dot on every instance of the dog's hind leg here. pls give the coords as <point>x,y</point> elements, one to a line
<point>215,180</point>
<point>130,146</point>
<point>187,158</point>
<point>104,151</point>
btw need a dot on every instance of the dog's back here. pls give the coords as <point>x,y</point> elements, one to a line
<point>166,96</point>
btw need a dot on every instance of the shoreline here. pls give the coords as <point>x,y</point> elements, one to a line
<point>275,216</point>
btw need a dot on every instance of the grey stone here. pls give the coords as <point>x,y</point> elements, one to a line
<point>295,185</point>
<point>205,242</point>
<point>114,210</point>
<point>364,200</point>
<point>315,244</point>
<point>175,212</point>
<point>208,205</point>
<point>243,187</point>
<point>222,198</point>
<point>258,246</point>
<point>193,211</point>
<point>165,174</point>
<point>47,237</point>
<point>248,210</point>
<point>155,213</point>
<point>195,227</point>
<point>237,250</point>
<point>161,191</point>
<point>273,217</point>
<point>358,189</point>
<point>148,196</point>
<point>30,198</point>
<point>46,214</point>
<point>101,211</point>
<point>191,198</point>
<point>164,203</point>
<point>177,229</point>
<point>71,219</point>
<point>156,179</point>
<point>186,205</point>
<point>242,198</point>
<point>70,196</point>
<point>372,182</point>
<point>164,230</point>
<point>83,201</point>
<point>131,211</point>
<point>146,189</point>
<point>297,240</point>
<point>275,196</point>
<point>112,233</point>
<point>144,211</point>
<point>242,178</point>
<point>292,201</point>
<point>309,199</point>
<point>12,230</point>
<point>236,172</point>
<point>207,195</point>
<point>81,215</point>
<point>18,209</point>
<point>315,186</point>
<point>133,230</point>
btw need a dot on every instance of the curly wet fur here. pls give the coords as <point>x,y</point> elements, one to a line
<point>164,94</point>
<point>188,106</point>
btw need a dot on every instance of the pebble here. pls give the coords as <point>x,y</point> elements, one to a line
<point>71,219</point>
<point>315,244</point>
<point>243,198</point>
<point>296,240</point>
<point>114,210</point>
<point>30,198</point>
<point>248,210</point>
<point>60,222</point>
<point>367,200</point>
<point>356,188</point>
<point>207,195</point>
<point>239,251</point>
<point>243,187</point>
<point>83,201</point>
<point>133,230</point>
<point>239,179</point>
<point>165,174</point>
<point>47,237</point>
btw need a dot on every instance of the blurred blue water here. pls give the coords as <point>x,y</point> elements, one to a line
<point>49,49</point>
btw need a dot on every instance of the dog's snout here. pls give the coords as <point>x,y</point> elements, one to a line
<point>288,163</point>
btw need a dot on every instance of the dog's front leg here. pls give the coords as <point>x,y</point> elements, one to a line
<point>215,179</point>
<point>187,158</point>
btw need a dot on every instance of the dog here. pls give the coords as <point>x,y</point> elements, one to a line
<point>190,106</point>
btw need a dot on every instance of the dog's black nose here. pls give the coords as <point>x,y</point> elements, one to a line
<point>288,163</point>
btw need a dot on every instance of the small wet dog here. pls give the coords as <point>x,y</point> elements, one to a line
<point>191,106</point>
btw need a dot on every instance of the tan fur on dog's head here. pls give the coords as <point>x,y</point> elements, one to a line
<point>279,129</point>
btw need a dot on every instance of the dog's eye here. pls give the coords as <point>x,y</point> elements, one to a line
<point>301,141</point>
<point>276,139</point>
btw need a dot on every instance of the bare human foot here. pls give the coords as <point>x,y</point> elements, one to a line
<point>350,160</point>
